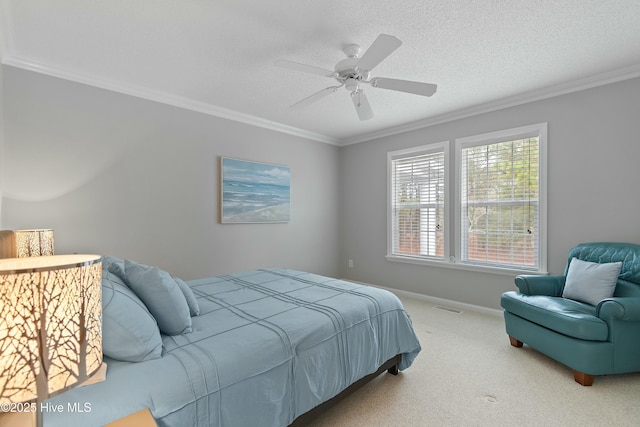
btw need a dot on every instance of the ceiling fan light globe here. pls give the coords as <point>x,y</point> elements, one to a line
<point>351,85</point>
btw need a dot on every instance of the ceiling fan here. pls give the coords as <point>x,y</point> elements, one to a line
<point>355,70</point>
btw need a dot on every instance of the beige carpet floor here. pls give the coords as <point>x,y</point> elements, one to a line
<point>468,375</point>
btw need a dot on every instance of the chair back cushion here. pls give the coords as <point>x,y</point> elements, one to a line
<point>628,284</point>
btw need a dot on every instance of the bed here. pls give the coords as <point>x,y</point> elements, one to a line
<point>265,348</point>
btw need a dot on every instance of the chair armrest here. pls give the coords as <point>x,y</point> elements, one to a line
<point>620,309</point>
<point>540,285</point>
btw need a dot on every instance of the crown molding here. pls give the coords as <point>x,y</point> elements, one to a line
<point>34,65</point>
<point>512,101</point>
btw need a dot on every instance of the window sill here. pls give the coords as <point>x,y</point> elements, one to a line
<point>462,266</point>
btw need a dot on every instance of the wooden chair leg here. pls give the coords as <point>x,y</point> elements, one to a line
<point>514,342</point>
<point>583,379</point>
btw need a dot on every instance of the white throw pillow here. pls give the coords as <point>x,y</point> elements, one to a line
<point>591,282</point>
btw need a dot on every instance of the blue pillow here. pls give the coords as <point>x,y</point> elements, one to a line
<point>113,265</point>
<point>129,331</point>
<point>162,296</point>
<point>194,308</point>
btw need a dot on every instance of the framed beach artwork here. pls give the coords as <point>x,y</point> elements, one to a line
<point>252,192</point>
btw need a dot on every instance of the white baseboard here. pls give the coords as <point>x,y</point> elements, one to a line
<point>437,301</point>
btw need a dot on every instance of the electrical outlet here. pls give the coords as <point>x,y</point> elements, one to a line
<point>350,263</point>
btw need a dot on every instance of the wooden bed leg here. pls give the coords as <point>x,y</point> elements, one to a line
<point>514,342</point>
<point>583,379</point>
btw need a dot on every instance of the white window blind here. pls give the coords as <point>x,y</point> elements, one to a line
<point>418,204</point>
<point>500,203</point>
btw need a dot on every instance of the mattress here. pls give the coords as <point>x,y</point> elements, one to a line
<point>268,346</point>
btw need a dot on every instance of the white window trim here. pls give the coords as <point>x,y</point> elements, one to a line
<point>453,208</point>
<point>539,130</point>
<point>435,147</point>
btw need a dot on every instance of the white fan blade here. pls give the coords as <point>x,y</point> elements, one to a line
<point>382,47</point>
<point>361,103</point>
<point>303,67</point>
<point>417,88</point>
<point>313,98</point>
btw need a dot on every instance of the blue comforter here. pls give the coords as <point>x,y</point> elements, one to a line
<point>268,346</point>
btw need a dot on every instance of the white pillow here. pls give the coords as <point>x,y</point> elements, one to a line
<point>591,282</point>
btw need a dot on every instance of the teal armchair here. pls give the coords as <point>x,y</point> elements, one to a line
<point>590,339</point>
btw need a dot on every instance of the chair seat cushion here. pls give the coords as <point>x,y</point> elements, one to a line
<point>562,315</point>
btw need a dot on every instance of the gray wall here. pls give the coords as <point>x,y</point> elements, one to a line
<point>115,174</point>
<point>119,175</point>
<point>593,181</point>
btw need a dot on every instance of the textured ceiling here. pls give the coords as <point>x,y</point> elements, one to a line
<point>217,56</point>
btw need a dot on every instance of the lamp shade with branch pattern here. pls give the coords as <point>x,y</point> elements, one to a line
<point>34,243</point>
<point>50,325</point>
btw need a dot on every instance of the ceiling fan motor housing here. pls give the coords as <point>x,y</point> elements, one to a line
<point>347,70</point>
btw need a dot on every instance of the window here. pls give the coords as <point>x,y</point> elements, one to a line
<point>500,198</point>
<point>418,196</point>
<point>496,220</point>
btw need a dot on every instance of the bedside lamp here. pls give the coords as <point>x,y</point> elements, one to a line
<point>26,243</point>
<point>34,243</point>
<point>50,326</point>
<point>7,244</point>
